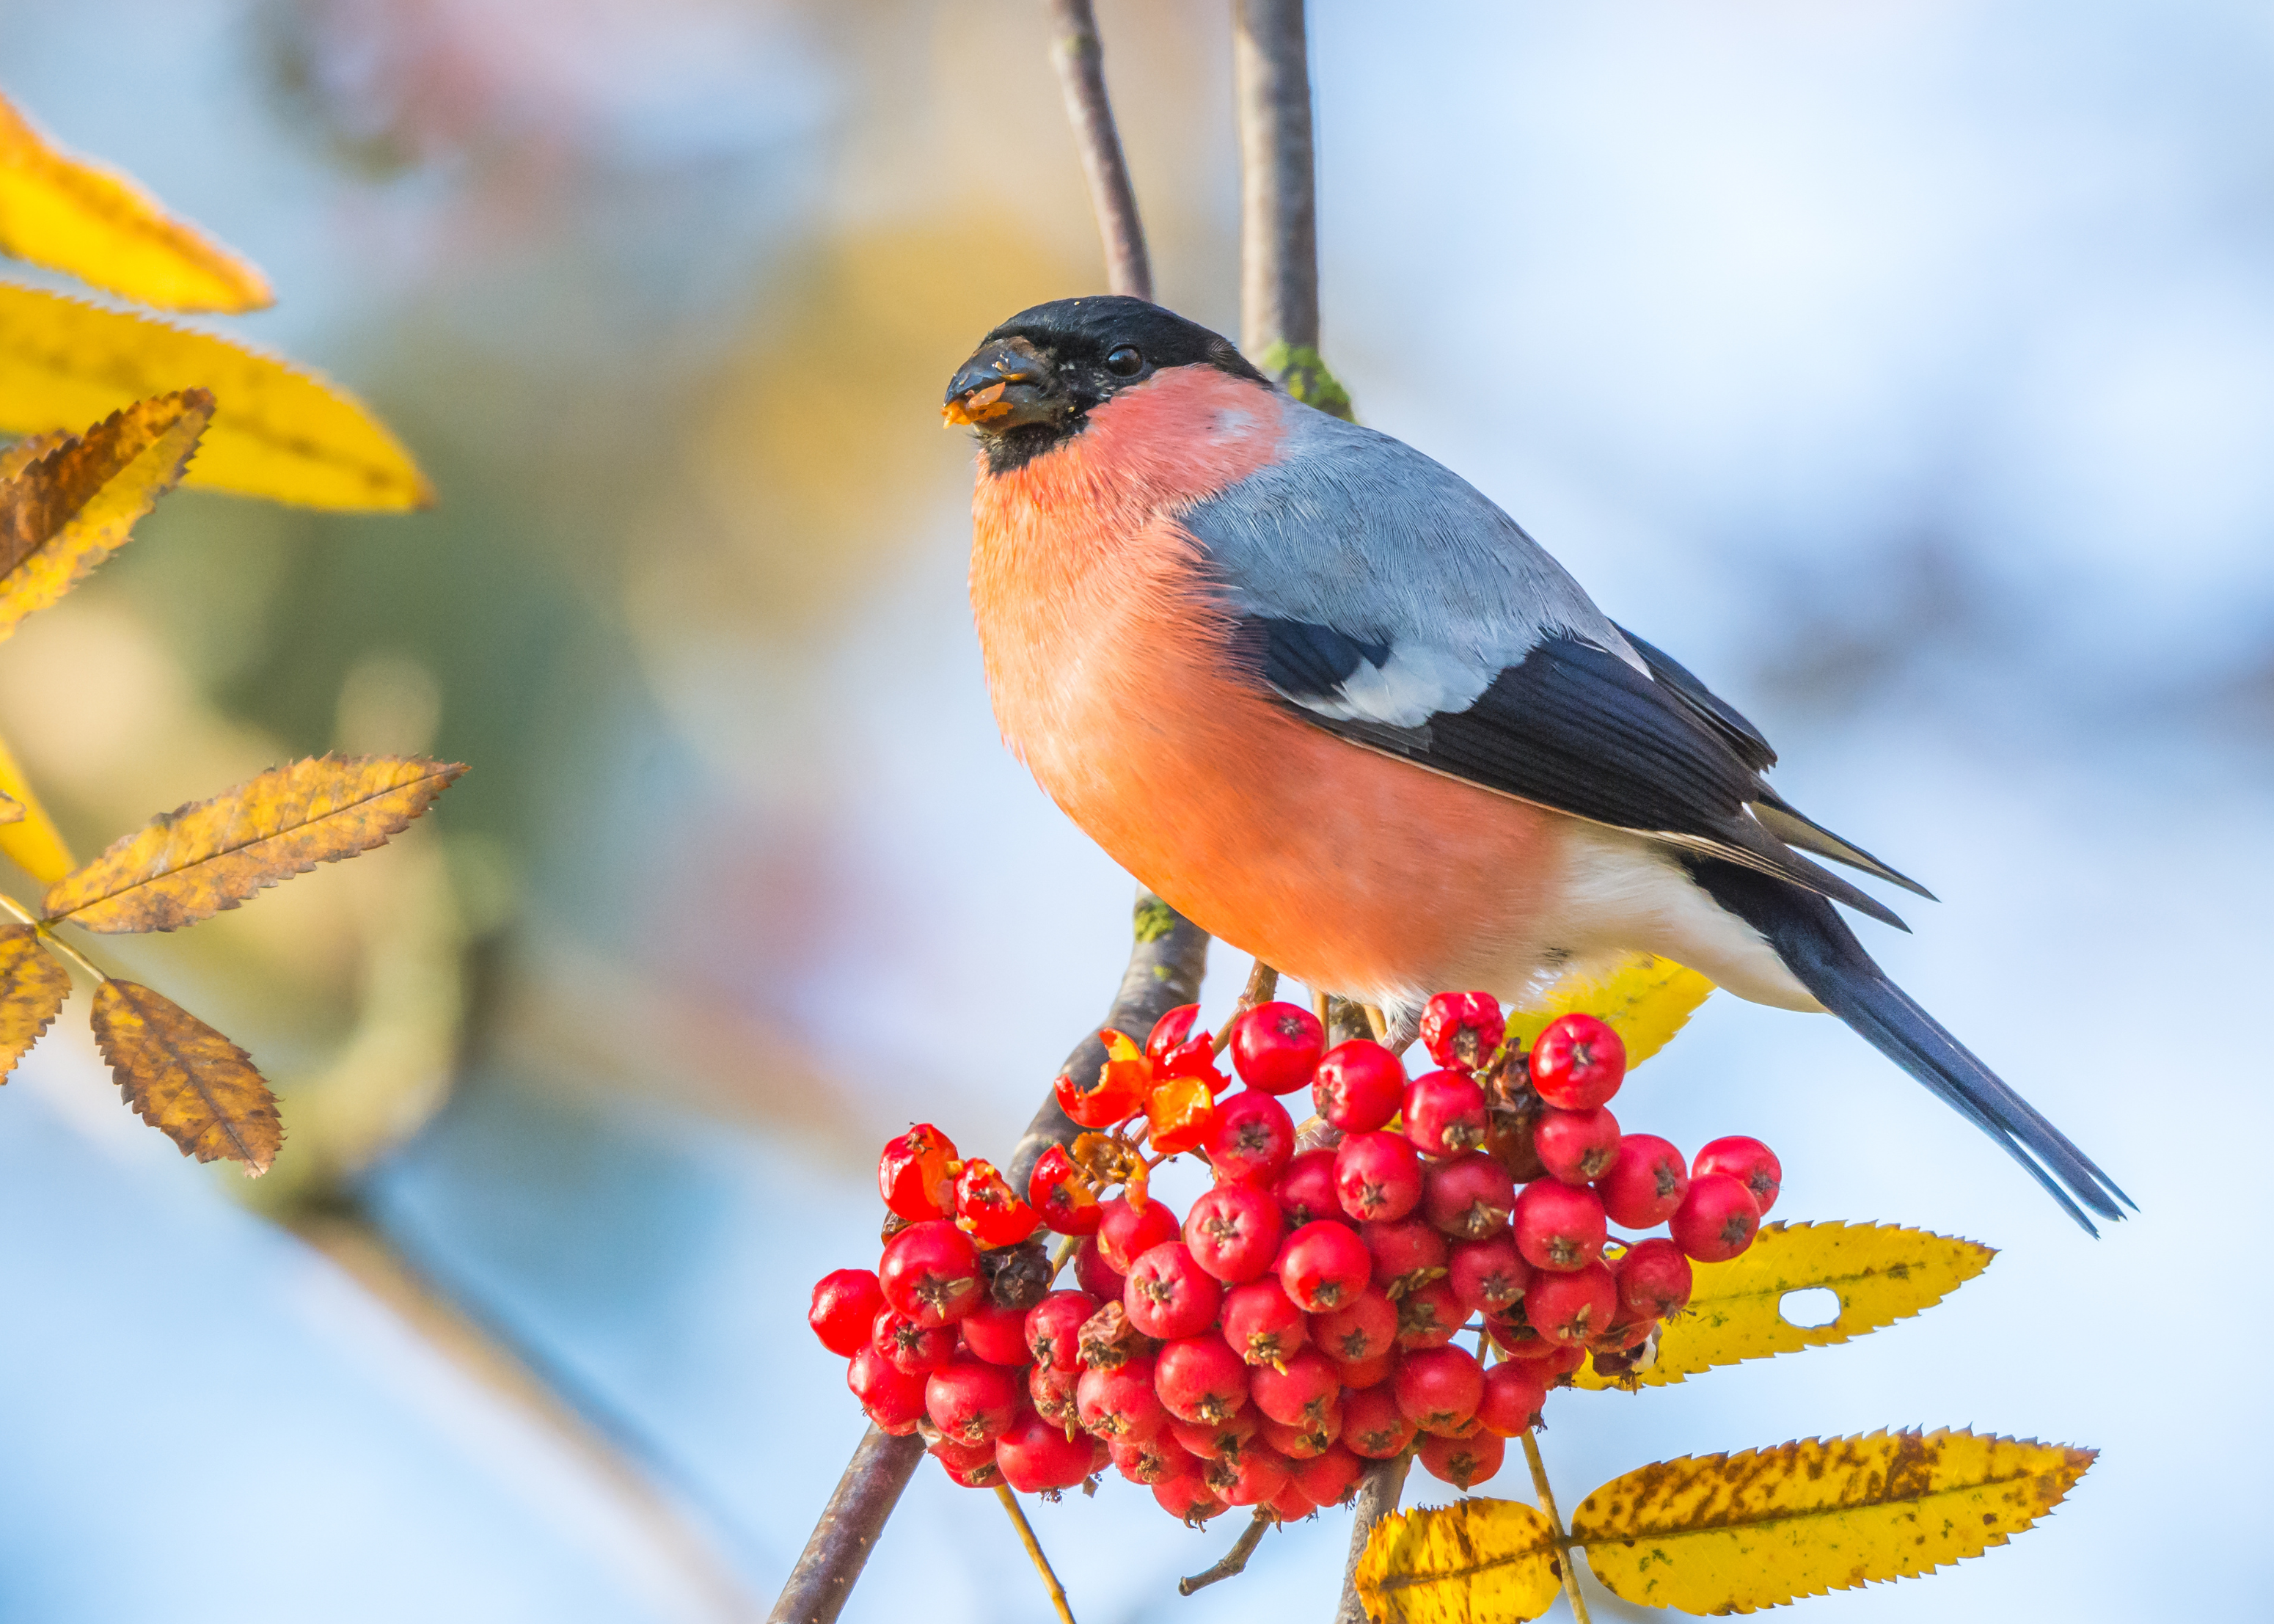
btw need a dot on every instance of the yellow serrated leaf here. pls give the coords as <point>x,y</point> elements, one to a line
<point>186,1078</point>
<point>1646,1000</point>
<point>277,431</point>
<point>1476,1561</point>
<point>70,510</point>
<point>31,842</point>
<point>1882,1273</point>
<point>32,987</point>
<point>209,856</point>
<point>90,221</point>
<point>1734,1533</point>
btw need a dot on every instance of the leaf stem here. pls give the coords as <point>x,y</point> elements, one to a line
<point>1564,1542</point>
<point>1235,1560</point>
<point>47,934</point>
<point>1034,1552</point>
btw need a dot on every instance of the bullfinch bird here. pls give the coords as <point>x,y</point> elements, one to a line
<point>1339,709</point>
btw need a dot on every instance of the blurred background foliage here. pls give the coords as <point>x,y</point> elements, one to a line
<point>1907,369</point>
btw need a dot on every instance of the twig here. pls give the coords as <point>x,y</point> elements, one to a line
<point>1278,208</point>
<point>1262,986</point>
<point>1555,1521</point>
<point>842,1540</point>
<point>1346,1019</point>
<point>1377,1498</point>
<point>1034,1552</point>
<point>1235,1560</point>
<point>1081,58</point>
<point>1165,966</point>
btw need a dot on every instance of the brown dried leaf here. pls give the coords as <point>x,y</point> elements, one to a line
<point>186,1078</point>
<point>32,987</point>
<point>202,859</point>
<point>66,509</point>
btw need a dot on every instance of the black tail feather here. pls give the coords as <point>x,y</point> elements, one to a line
<point>1824,955</point>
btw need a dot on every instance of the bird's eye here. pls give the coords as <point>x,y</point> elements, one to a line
<point>1125,362</point>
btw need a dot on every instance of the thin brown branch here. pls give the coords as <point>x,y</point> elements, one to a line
<point>1377,1497</point>
<point>1279,211</point>
<point>1346,1019</point>
<point>848,1530</point>
<point>1235,1560</point>
<point>1262,986</point>
<point>1081,58</point>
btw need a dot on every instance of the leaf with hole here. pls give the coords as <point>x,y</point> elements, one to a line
<point>1880,1272</point>
<point>32,987</point>
<point>1474,1561</point>
<point>186,1078</point>
<point>1734,1533</point>
<point>1646,1000</point>
<point>211,855</point>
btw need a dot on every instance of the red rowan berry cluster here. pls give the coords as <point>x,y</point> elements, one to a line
<point>1301,1318</point>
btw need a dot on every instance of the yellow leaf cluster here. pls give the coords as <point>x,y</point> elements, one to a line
<point>277,431</point>
<point>1734,1533</point>
<point>209,856</point>
<point>186,1078</point>
<point>32,987</point>
<point>75,500</point>
<point>1881,1272</point>
<point>88,221</point>
<point>30,841</point>
<point>1646,1000</point>
<point>1476,1561</point>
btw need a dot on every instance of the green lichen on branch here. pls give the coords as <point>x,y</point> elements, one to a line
<point>1305,374</point>
<point>1153,919</point>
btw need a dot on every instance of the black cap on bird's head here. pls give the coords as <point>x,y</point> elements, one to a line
<point>1033,381</point>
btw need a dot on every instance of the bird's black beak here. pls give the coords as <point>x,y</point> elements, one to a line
<point>1006,384</point>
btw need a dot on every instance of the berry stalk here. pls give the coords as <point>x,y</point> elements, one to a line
<point>1556,1521</point>
<point>1034,1552</point>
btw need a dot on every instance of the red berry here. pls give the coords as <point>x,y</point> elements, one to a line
<point>1170,1031</point>
<point>1233,1231</point>
<point>1305,1191</point>
<point>1462,1461</point>
<point>1093,1275</point>
<point>1059,1192</point>
<point>986,1475</point>
<point>1514,1391</point>
<point>1169,1294</point>
<point>1053,1395</point>
<point>1489,1275</point>
<point>1034,1456</point>
<point>1120,1402</point>
<point>960,1457</point>
<point>995,1335</point>
<point>893,1398</point>
<point>1306,1438</point>
<point>986,1211</point>
<point>1261,1323</point>
<point>1298,1391</point>
<point>1328,1476</point>
<point>1377,1176</point>
<point>919,1350</point>
<point>1749,1162</point>
<point>931,1273</point>
<point>1359,1086</point>
<point>1645,1183</point>
<point>1406,1252</point>
<point>1054,1328</point>
<point>1189,1500</point>
<point>1275,1047</point>
<point>1108,1339</point>
<point>1213,1439</point>
<point>1655,1279</point>
<point>1116,1094</point>
<point>1572,1307</point>
<point>1148,1461</point>
<point>1374,1425</point>
<point>1363,1328</point>
<point>1180,1113</point>
<point>1439,1389</point>
<point>1716,1220</point>
<point>1559,1362</point>
<point>1194,1058</point>
<point>845,1304</point>
<point>970,1402</point>
<point>1576,1147</point>
<point>1469,1197</point>
<point>1623,1334</point>
<point>1461,1029</point>
<point>1252,1141</point>
<point>1557,1226</point>
<point>1201,1378</point>
<point>1429,1316</point>
<point>1324,1265</point>
<point>1577,1064</point>
<point>1126,1233</point>
<point>1370,1372</point>
<point>1444,1113</point>
<point>913,1173</point>
<point>1250,1478</point>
